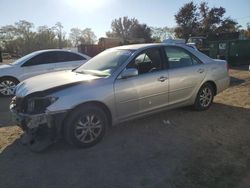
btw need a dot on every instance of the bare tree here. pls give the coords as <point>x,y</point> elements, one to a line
<point>58,29</point>
<point>76,36</point>
<point>89,36</point>
<point>161,33</point>
<point>85,36</point>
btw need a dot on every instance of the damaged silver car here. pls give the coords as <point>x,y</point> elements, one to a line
<point>117,85</point>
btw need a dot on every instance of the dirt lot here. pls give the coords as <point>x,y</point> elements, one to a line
<point>177,148</point>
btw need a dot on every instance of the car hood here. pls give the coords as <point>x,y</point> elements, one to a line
<point>51,80</point>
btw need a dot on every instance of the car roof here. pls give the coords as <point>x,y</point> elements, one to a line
<point>140,47</point>
<point>60,50</point>
<point>136,46</point>
<point>54,50</point>
<point>147,45</point>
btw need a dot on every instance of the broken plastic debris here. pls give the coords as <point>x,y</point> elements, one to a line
<point>166,122</point>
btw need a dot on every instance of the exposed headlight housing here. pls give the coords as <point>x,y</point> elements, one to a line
<point>39,104</point>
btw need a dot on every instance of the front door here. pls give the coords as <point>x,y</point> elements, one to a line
<point>145,92</point>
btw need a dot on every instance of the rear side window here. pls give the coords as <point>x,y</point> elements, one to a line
<point>43,58</point>
<point>68,56</point>
<point>178,57</point>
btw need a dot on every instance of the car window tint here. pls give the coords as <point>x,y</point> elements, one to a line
<point>148,61</point>
<point>177,58</point>
<point>69,56</point>
<point>43,58</point>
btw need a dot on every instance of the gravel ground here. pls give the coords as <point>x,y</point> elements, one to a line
<point>176,148</point>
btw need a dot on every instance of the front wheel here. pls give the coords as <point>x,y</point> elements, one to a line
<point>204,98</point>
<point>7,86</point>
<point>85,126</point>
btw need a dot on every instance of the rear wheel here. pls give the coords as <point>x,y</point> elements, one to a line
<point>7,86</point>
<point>205,97</point>
<point>85,126</point>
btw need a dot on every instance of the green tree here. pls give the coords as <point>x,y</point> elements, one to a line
<point>246,32</point>
<point>228,25</point>
<point>45,38</point>
<point>21,38</point>
<point>187,21</point>
<point>198,20</point>
<point>122,27</point>
<point>24,36</point>
<point>126,28</point>
<point>7,34</point>
<point>212,20</point>
<point>142,31</point>
<point>17,38</point>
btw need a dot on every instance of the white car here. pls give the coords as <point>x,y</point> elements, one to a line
<point>35,63</point>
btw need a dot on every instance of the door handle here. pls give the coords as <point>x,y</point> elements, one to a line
<point>162,78</point>
<point>200,70</point>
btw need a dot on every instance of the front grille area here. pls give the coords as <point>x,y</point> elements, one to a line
<point>36,105</point>
<point>21,104</point>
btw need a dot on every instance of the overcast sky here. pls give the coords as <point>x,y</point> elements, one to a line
<point>98,14</point>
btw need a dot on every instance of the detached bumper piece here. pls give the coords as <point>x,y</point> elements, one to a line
<point>37,133</point>
<point>37,139</point>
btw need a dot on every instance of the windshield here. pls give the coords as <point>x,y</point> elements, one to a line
<point>24,58</point>
<point>105,63</point>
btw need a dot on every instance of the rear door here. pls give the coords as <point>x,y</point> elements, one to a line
<point>39,64</point>
<point>186,72</point>
<point>69,60</point>
<point>145,92</point>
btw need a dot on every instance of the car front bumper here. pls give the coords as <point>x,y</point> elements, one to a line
<point>32,121</point>
<point>40,130</point>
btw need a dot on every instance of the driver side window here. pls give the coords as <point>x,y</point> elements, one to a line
<point>147,61</point>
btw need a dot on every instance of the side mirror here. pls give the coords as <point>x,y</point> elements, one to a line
<point>130,72</point>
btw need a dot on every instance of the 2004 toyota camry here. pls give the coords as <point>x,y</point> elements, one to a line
<point>117,85</point>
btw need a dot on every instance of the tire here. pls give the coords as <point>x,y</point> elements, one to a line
<point>7,86</point>
<point>85,126</point>
<point>204,98</point>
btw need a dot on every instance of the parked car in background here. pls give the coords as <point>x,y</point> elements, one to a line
<point>35,63</point>
<point>117,85</point>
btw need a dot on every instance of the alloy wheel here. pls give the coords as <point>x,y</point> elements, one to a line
<point>7,87</point>
<point>206,97</point>
<point>88,128</point>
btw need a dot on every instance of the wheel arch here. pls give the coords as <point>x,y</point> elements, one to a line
<point>8,76</point>
<point>99,104</point>
<point>213,84</point>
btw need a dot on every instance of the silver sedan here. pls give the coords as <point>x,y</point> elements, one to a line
<point>117,85</point>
